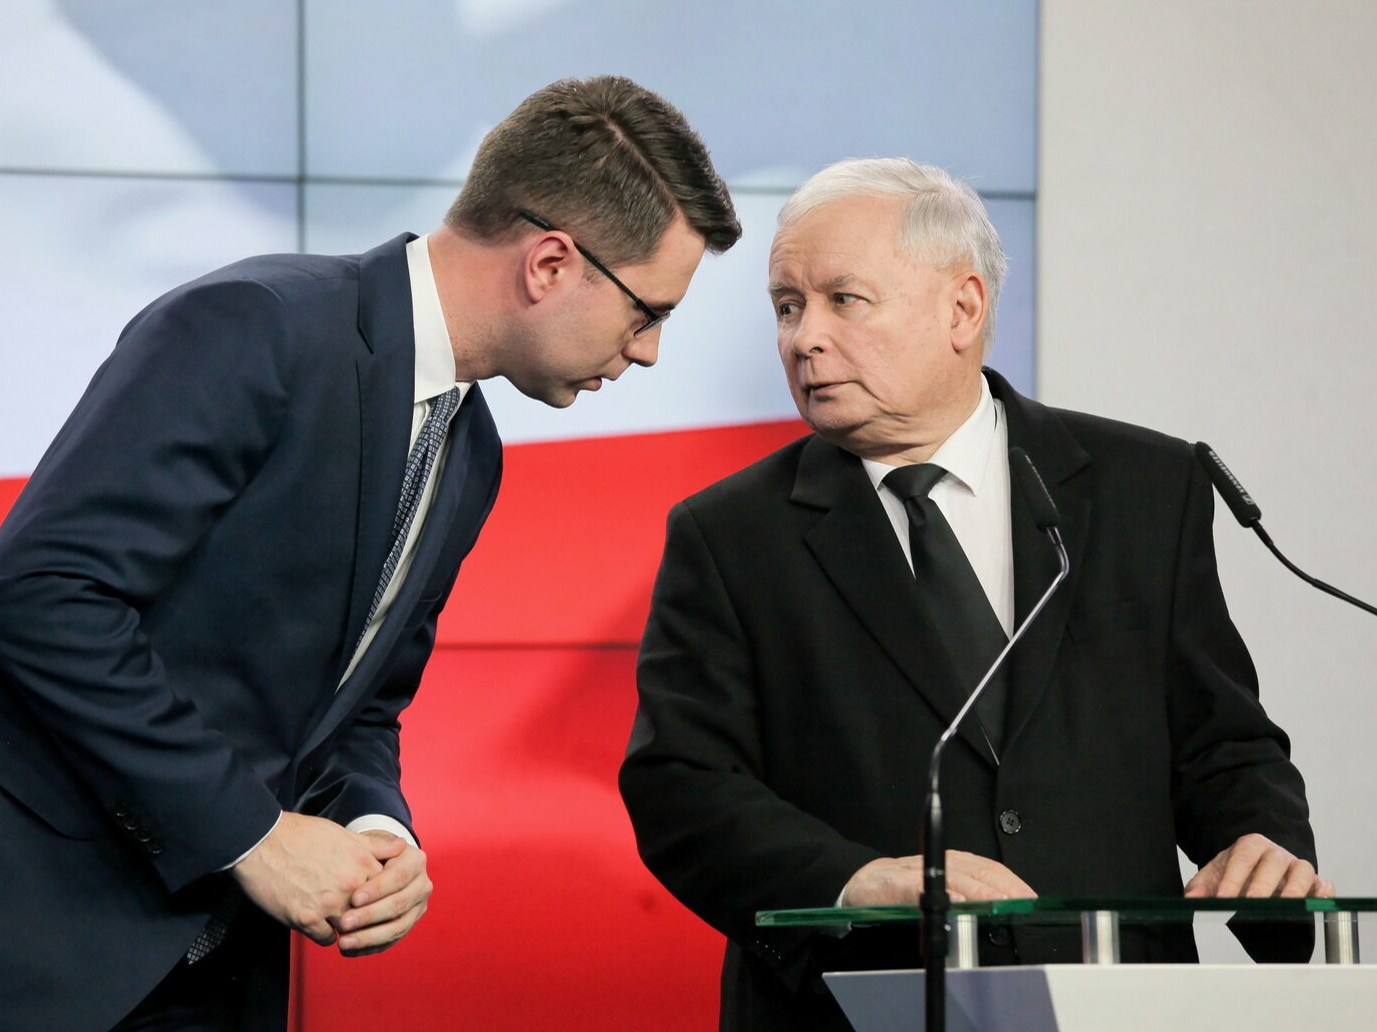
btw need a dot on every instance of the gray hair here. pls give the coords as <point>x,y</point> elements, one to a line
<point>946,222</point>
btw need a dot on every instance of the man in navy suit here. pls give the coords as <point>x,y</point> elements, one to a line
<point>801,657</point>
<point>220,586</point>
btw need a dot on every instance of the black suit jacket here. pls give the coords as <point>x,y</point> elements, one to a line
<point>182,582</point>
<point>792,688</point>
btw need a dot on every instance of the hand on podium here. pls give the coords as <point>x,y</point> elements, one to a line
<point>896,881</point>
<point>1256,867</point>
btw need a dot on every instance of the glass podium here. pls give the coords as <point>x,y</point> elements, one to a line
<point>1099,917</point>
<point>1102,993</point>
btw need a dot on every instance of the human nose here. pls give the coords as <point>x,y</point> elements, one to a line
<point>809,335</point>
<point>645,349</point>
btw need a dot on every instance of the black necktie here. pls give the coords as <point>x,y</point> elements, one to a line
<point>953,592</point>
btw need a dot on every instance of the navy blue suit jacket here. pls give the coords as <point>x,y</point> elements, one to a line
<point>181,585</point>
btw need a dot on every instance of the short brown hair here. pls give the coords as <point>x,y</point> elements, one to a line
<point>604,159</point>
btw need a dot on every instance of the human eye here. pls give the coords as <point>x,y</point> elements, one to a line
<point>843,299</point>
<point>785,307</point>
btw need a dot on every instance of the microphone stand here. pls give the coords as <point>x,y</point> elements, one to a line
<point>935,903</point>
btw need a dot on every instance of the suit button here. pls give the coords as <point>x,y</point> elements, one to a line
<point>1010,822</point>
<point>998,936</point>
<point>121,811</point>
<point>155,847</point>
<point>143,835</point>
<point>130,824</point>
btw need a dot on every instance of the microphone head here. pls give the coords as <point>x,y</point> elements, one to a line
<point>1245,510</point>
<point>1032,488</point>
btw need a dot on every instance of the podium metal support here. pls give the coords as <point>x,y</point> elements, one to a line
<point>1341,937</point>
<point>1100,937</point>
<point>963,946</point>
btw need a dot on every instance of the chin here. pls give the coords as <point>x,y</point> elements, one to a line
<point>556,396</point>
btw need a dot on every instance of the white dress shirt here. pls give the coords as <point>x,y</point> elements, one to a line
<point>973,496</point>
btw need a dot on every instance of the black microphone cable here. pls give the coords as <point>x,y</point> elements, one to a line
<point>1248,514</point>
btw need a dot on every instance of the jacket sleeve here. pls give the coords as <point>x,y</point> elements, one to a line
<point>358,771</point>
<point>1232,773</point>
<point>172,427</point>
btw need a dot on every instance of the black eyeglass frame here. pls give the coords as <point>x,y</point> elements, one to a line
<point>652,317</point>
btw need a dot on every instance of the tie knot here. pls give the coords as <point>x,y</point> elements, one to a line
<point>914,482</point>
<point>444,405</point>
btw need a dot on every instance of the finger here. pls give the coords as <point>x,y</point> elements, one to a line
<point>1300,879</point>
<point>395,876</point>
<point>321,932</point>
<point>1269,873</point>
<point>1323,889</point>
<point>974,887</point>
<point>376,938</point>
<point>1001,882</point>
<point>383,844</point>
<point>1239,862</point>
<point>389,908</point>
<point>1201,885</point>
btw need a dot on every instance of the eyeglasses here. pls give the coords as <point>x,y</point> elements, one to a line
<point>652,317</point>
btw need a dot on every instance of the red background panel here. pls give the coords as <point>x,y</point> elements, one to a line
<point>9,491</point>
<point>570,551</point>
<point>543,916</point>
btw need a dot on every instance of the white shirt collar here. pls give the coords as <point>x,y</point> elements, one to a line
<point>434,355</point>
<point>965,455</point>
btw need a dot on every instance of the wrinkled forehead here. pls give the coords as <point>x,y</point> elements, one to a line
<point>857,224</point>
<point>851,236</point>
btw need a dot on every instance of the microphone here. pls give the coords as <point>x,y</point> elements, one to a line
<point>1248,514</point>
<point>935,903</point>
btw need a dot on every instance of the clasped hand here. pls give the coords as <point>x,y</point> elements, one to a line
<point>360,890</point>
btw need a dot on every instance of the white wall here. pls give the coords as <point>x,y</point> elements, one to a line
<point>1207,244</point>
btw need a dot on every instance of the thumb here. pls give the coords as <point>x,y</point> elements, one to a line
<point>1204,883</point>
<point>383,844</point>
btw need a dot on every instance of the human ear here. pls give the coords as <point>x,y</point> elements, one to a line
<point>969,308</point>
<point>547,264</point>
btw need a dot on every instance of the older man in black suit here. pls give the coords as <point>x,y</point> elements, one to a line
<point>820,617</point>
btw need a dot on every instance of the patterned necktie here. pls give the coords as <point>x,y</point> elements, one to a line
<point>418,466</point>
<point>953,592</point>
<point>213,934</point>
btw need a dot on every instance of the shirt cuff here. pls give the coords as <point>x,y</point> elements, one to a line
<point>244,855</point>
<point>381,822</point>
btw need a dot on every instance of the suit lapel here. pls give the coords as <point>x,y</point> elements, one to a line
<point>386,382</point>
<point>1062,464</point>
<point>460,505</point>
<point>875,582</point>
